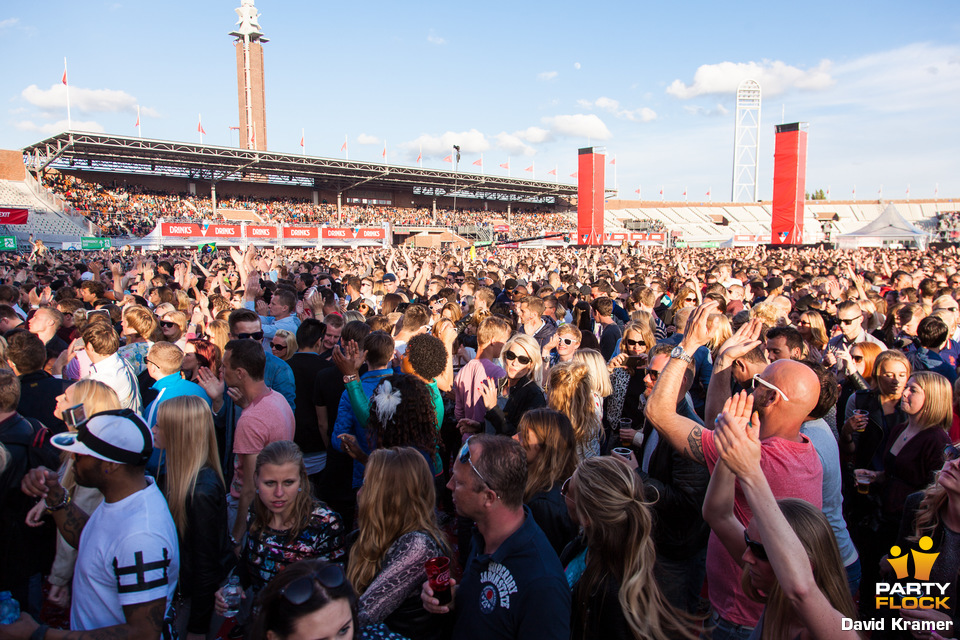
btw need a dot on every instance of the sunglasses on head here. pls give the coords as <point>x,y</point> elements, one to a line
<point>256,335</point>
<point>511,356</point>
<point>951,452</point>
<point>565,487</point>
<point>755,547</point>
<point>300,590</point>
<point>464,458</point>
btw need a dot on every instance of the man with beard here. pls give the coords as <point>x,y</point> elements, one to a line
<point>128,558</point>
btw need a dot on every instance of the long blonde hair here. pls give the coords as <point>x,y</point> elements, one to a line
<point>95,397</point>
<point>820,546</point>
<point>191,444</point>
<point>599,375</point>
<point>398,497</point>
<point>532,350</point>
<point>818,330</point>
<point>570,393</point>
<point>608,498</point>
<point>557,457</point>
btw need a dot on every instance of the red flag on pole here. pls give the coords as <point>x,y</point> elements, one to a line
<point>530,169</point>
<point>504,165</point>
<point>708,193</point>
<point>574,174</point>
<point>661,190</point>
<point>614,161</point>
<point>64,79</point>
<point>138,118</point>
<point>343,147</point>
<point>552,172</point>
<point>384,154</point>
<point>301,141</point>
<point>636,191</point>
<point>200,127</point>
<point>419,157</point>
<point>479,162</point>
<point>684,192</point>
<point>449,159</point>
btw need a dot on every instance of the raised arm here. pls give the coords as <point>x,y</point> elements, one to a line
<point>738,345</point>
<point>683,434</point>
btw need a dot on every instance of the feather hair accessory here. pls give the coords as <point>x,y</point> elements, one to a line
<point>386,399</point>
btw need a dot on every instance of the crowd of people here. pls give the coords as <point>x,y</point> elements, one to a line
<point>562,443</point>
<point>948,226</point>
<point>133,210</point>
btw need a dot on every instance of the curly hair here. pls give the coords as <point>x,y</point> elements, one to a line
<point>427,355</point>
<point>413,423</point>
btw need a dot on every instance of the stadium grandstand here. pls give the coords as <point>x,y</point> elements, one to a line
<point>125,187</point>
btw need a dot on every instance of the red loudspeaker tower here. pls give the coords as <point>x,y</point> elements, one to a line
<point>590,183</point>
<point>789,183</point>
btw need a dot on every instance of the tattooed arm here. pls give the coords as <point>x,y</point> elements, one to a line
<point>143,622</point>
<point>43,483</point>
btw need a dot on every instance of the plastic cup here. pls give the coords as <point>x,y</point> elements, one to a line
<point>862,415</point>
<point>625,439</point>
<point>438,574</point>
<point>623,452</point>
<point>863,481</point>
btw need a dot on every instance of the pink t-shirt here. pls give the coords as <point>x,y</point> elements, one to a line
<point>793,470</point>
<point>267,419</point>
<point>469,402</point>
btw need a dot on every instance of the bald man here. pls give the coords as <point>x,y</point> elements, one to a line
<point>784,394</point>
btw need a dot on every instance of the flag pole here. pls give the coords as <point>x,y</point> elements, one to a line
<point>139,130</point>
<point>303,141</point>
<point>66,81</point>
<point>420,156</point>
<point>346,149</point>
<point>200,126</point>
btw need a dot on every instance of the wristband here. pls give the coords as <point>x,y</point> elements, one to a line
<point>60,505</point>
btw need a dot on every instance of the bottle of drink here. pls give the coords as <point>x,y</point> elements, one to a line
<point>9,608</point>
<point>232,595</point>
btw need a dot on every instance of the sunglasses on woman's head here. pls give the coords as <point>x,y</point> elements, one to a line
<point>511,356</point>
<point>756,548</point>
<point>300,590</point>
<point>951,452</point>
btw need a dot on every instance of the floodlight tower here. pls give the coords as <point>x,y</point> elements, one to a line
<point>746,143</point>
<point>253,122</point>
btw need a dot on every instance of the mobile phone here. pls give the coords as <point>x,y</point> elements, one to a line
<point>635,362</point>
<point>74,416</point>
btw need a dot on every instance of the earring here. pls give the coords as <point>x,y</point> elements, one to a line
<point>300,489</point>
<point>258,491</point>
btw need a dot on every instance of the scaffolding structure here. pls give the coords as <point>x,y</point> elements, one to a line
<point>746,145</point>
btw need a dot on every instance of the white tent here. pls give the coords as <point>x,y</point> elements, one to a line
<point>890,226</point>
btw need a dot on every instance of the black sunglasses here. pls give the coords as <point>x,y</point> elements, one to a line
<point>755,547</point>
<point>168,325</point>
<point>300,590</point>
<point>256,335</point>
<point>850,320</point>
<point>278,347</point>
<point>951,452</point>
<point>633,343</point>
<point>653,373</point>
<point>465,459</point>
<point>511,356</point>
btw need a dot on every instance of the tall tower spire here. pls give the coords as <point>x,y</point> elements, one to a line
<point>250,85</point>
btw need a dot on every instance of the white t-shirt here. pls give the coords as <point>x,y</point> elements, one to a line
<point>128,555</point>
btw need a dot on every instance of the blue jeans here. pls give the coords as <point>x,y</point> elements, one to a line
<point>853,576</point>
<point>726,630</point>
<point>681,581</point>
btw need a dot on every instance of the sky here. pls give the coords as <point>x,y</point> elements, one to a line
<point>522,83</point>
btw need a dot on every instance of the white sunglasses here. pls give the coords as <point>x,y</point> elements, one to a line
<point>769,385</point>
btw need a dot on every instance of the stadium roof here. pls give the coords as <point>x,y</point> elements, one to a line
<point>132,155</point>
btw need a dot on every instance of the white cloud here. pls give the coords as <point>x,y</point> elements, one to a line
<point>85,100</point>
<point>643,114</point>
<point>578,125</point>
<point>533,135</point>
<point>547,75</point>
<point>513,144</point>
<point>8,22</point>
<point>775,77</point>
<point>718,110</point>
<point>59,126</point>
<point>363,138</point>
<point>471,141</point>
<point>576,65</point>
<point>433,38</point>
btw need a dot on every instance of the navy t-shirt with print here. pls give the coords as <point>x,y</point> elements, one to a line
<point>519,591</point>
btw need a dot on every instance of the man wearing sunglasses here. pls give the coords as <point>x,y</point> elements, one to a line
<point>784,395</point>
<point>850,319</point>
<point>513,584</point>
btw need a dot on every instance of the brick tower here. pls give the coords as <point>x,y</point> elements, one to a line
<point>250,86</point>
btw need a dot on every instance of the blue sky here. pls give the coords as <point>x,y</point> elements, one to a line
<point>653,83</point>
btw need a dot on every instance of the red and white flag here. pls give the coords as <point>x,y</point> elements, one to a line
<point>138,117</point>
<point>200,126</point>
<point>529,169</point>
<point>384,154</point>
<point>684,192</point>
<point>343,147</point>
<point>420,157</point>
<point>908,191</point>
<point>479,162</point>
<point>449,159</point>
<point>708,192</point>
<point>64,79</point>
<point>552,172</point>
<point>505,165</point>
<point>636,191</point>
<point>301,139</point>
<point>574,174</point>
<point>614,161</point>
<point>661,190</point>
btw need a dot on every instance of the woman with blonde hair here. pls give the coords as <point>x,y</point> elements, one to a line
<point>194,488</point>
<point>173,325</point>
<point>548,439</point>
<point>218,332</point>
<point>283,344</point>
<point>610,568</point>
<point>814,332</point>
<point>570,393</point>
<point>95,397</point>
<point>638,340</point>
<point>398,534</point>
<point>140,329</point>
<point>722,331</point>
<point>522,386</point>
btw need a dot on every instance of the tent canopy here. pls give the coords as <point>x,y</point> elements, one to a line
<point>888,225</point>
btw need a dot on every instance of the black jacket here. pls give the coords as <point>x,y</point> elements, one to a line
<point>524,395</point>
<point>550,512</point>
<point>205,553</point>
<point>600,614</point>
<point>38,399</point>
<point>678,486</point>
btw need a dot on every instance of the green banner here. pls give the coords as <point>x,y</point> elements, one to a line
<point>95,244</point>
<point>8,243</point>
<point>680,244</point>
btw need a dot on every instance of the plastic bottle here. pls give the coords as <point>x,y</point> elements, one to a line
<point>232,596</point>
<point>9,608</point>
